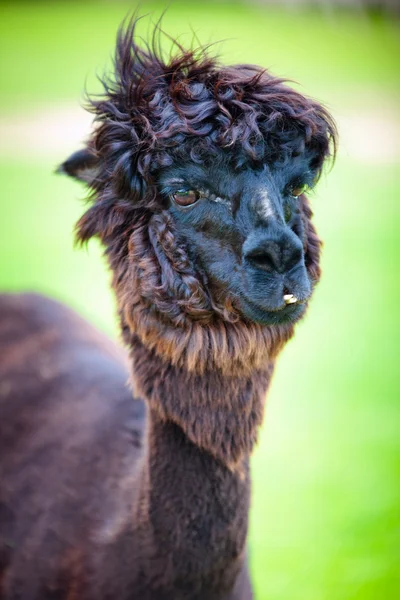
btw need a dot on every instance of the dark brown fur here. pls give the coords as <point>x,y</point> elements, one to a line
<point>108,497</point>
<point>99,498</point>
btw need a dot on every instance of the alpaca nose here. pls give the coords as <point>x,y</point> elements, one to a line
<point>278,255</point>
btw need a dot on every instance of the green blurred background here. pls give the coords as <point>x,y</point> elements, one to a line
<point>325,522</point>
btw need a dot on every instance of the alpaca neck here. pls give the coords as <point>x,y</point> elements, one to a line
<point>195,488</point>
<point>219,414</point>
<point>191,515</point>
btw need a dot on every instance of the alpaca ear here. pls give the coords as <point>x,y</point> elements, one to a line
<point>82,165</point>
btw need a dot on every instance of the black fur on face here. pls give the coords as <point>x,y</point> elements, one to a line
<point>244,230</point>
<point>197,174</point>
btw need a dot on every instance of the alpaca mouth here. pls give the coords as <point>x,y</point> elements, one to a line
<point>289,311</point>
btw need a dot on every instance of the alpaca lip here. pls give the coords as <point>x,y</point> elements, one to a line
<point>285,313</point>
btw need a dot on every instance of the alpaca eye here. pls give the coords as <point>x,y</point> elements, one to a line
<point>298,189</point>
<point>186,197</point>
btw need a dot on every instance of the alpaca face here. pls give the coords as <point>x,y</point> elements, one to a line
<point>243,230</point>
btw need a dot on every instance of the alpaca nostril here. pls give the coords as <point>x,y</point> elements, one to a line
<point>266,257</point>
<point>272,256</point>
<point>292,257</point>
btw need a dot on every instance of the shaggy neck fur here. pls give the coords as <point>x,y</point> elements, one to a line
<point>219,413</point>
<point>207,372</point>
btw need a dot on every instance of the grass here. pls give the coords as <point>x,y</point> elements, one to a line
<point>325,522</point>
<point>54,49</point>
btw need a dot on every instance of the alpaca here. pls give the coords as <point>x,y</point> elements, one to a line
<point>197,174</point>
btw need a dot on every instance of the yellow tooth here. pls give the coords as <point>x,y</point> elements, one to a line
<point>289,299</point>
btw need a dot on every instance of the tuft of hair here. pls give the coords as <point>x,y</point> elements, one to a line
<point>155,110</point>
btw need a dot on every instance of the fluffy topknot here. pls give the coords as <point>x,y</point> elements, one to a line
<point>154,109</point>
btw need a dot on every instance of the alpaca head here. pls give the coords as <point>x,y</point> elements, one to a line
<point>198,174</point>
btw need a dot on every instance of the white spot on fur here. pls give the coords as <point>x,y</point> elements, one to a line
<point>264,206</point>
<point>219,200</point>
